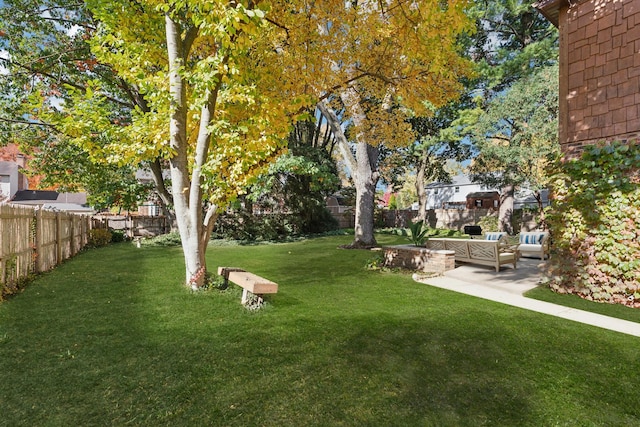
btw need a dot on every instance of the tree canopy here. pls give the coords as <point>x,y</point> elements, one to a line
<point>372,65</point>
<point>48,70</point>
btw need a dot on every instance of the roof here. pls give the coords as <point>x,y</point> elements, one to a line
<point>68,207</point>
<point>551,9</point>
<point>35,195</point>
<point>53,200</point>
<point>484,194</point>
<point>455,181</point>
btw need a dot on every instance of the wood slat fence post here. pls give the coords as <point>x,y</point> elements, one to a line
<point>38,242</point>
<point>58,238</point>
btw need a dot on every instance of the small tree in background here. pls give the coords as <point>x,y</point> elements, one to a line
<point>517,137</point>
<point>299,181</point>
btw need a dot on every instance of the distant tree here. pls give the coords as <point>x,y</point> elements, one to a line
<point>517,137</point>
<point>512,41</point>
<point>68,168</point>
<point>302,178</point>
<point>438,146</point>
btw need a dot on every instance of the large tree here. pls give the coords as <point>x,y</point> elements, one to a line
<point>372,65</point>
<point>163,82</point>
<point>212,116</point>
<point>512,42</point>
<point>517,136</point>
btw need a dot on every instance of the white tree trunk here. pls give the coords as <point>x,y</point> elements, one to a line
<point>366,174</point>
<point>194,227</point>
<point>363,167</point>
<point>366,180</point>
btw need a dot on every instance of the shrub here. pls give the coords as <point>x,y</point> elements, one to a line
<point>488,223</point>
<point>595,223</point>
<point>169,239</point>
<point>15,286</point>
<point>418,233</point>
<point>118,236</point>
<point>244,226</point>
<point>99,237</point>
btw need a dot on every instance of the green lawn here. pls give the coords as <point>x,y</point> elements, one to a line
<point>112,338</point>
<point>543,293</point>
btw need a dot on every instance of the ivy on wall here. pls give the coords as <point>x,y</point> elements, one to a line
<point>595,225</point>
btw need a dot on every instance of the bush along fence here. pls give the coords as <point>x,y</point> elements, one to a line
<point>33,241</point>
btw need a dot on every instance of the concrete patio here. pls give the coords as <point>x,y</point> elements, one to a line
<point>508,286</point>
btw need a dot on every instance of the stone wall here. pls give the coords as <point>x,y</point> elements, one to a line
<point>419,259</point>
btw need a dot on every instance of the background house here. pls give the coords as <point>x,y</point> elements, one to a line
<point>11,180</point>
<point>442,195</point>
<point>461,193</point>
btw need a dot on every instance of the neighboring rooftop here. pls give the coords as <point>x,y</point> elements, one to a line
<point>47,199</point>
<point>457,180</point>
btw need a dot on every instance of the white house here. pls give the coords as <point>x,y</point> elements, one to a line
<point>453,195</point>
<point>442,195</point>
<point>11,180</point>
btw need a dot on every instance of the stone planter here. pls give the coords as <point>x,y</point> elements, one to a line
<point>419,258</point>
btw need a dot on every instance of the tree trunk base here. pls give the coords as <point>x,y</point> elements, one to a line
<point>360,245</point>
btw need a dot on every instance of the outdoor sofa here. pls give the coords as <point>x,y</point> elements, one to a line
<point>475,251</point>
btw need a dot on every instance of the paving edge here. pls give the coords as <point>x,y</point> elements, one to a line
<point>586,317</point>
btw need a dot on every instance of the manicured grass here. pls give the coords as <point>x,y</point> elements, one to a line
<point>112,338</point>
<point>543,293</point>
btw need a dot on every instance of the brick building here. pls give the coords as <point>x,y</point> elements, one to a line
<point>599,70</point>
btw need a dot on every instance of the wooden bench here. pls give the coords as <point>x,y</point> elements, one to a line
<point>249,282</point>
<point>484,252</point>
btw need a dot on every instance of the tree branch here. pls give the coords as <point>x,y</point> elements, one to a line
<point>30,123</point>
<point>74,85</point>
<point>343,143</point>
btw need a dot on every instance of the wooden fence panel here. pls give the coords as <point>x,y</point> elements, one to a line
<point>65,235</point>
<point>80,227</point>
<point>132,225</point>
<point>47,249</point>
<point>16,243</point>
<point>36,240</point>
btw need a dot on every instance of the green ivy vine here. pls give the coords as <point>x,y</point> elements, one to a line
<point>595,224</point>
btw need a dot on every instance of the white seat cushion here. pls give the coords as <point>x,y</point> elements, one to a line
<point>529,248</point>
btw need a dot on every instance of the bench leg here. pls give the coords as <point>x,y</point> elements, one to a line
<point>246,296</point>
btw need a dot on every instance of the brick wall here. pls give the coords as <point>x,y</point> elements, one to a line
<point>599,72</point>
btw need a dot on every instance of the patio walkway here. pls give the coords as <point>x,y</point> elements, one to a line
<point>507,287</point>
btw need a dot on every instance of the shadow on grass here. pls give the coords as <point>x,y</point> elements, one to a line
<point>112,338</point>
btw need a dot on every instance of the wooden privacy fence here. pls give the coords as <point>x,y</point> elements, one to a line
<point>132,225</point>
<point>33,241</point>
